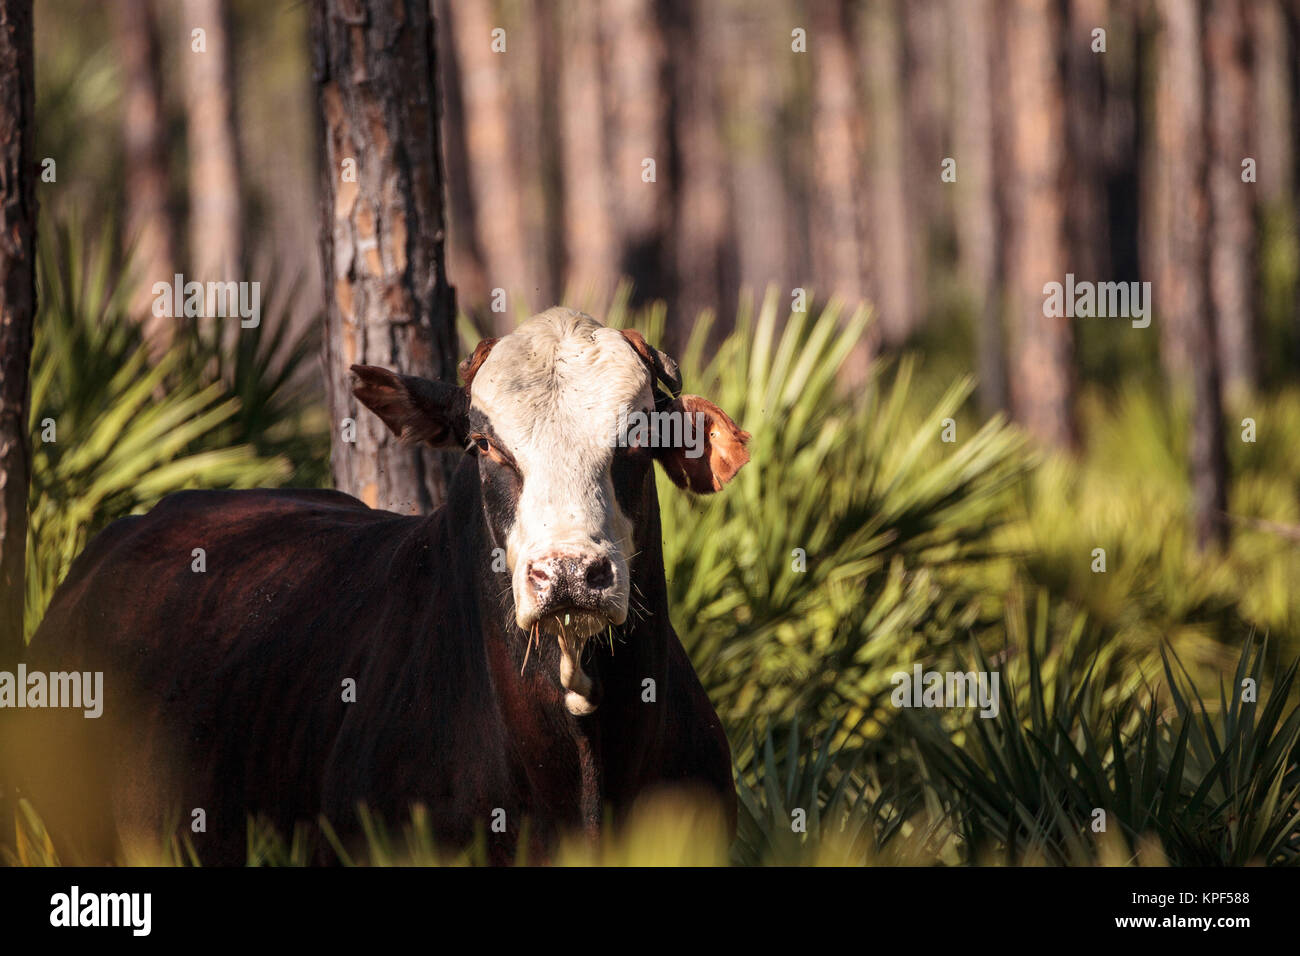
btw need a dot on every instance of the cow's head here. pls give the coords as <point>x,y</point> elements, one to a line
<point>566,418</point>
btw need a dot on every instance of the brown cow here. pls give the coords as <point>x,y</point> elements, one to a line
<point>501,648</point>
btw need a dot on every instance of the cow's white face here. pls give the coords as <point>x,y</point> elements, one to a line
<point>545,410</point>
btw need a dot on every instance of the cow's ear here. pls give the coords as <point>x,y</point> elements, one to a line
<point>469,368</point>
<point>709,460</point>
<point>414,409</point>
<point>661,366</point>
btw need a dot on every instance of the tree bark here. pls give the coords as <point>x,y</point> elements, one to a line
<point>703,242</point>
<point>976,207</point>
<point>1274,126</point>
<point>1183,305</point>
<point>1042,380</point>
<point>839,257</point>
<point>925,101</point>
<point>148,220</point>
<point>1086,214</point>
<point>892,267</point>
<point>1232,202</point>
<point>499,213</point>
<point>216,192</point>
<point>636,108</point>
<point>590,250</point>
<point>388,301</point>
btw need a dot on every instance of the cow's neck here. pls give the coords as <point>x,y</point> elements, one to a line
<point>574,762</point>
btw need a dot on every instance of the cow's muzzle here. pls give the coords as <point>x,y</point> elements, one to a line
<point>572,597</point>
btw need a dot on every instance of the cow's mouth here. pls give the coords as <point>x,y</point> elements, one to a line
<point>572,629</point>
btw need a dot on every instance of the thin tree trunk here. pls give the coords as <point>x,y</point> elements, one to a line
<point>892,267</point>
<point>216,193</point>
<point>1232,202</point>
<point>465,258</point>
<point>498,208</point>
<point>387,297</point>
<point>17,313</point>
<point>591,254</point>
<point>976,208</point>
<point>1184,305</point>
<point>1042,379</point>
<point>703,243</point>
<point>839,257</point>
<point>1274,126</point>
<point>531,120</point>
<point>636,108</point>
<point>148,221</point>
<point>1087,225</point>
<point>925,101</point>
<point>549,162</point>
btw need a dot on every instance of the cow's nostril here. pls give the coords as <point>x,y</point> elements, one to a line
<point>537,576</point>
<point>600,574</point>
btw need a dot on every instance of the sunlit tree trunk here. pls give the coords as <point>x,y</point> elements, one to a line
<point>216,193</point>
<point>387,296</point>
<point>1042,367</point>
<point>148,219</point>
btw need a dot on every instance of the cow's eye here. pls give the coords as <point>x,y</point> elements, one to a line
<point>483,444</point>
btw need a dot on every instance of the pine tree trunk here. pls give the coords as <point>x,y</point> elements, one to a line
<point>637,129</point>
<point>838,254</point>
<point>1042,372</point>
<point>976,207</point>
<point>1232,202</point>
<point>1183,304</point>
<point>703,243</point>
<point>387,297</point>
<point>465,258</point>
<point>591,255</point>
<point>499,214</point>
<point>148,221</point>
<point>17,313</point>
<point>216,193</point>
<point>925,100</point>
<point>1087,225</point>
<point>892,268</point>
<point>1274,127</point>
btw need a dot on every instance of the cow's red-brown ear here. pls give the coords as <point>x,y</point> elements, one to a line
<point>414,409</point>
<point>469,368</point>
<point>705,468</point>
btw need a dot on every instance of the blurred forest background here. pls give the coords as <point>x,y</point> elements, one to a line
<point>840,216</point>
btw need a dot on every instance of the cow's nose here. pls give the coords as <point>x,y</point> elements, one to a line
<point>580,579</point>
<point>600,574</point>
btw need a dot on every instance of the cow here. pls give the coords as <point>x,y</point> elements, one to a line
<point>507,659</point>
